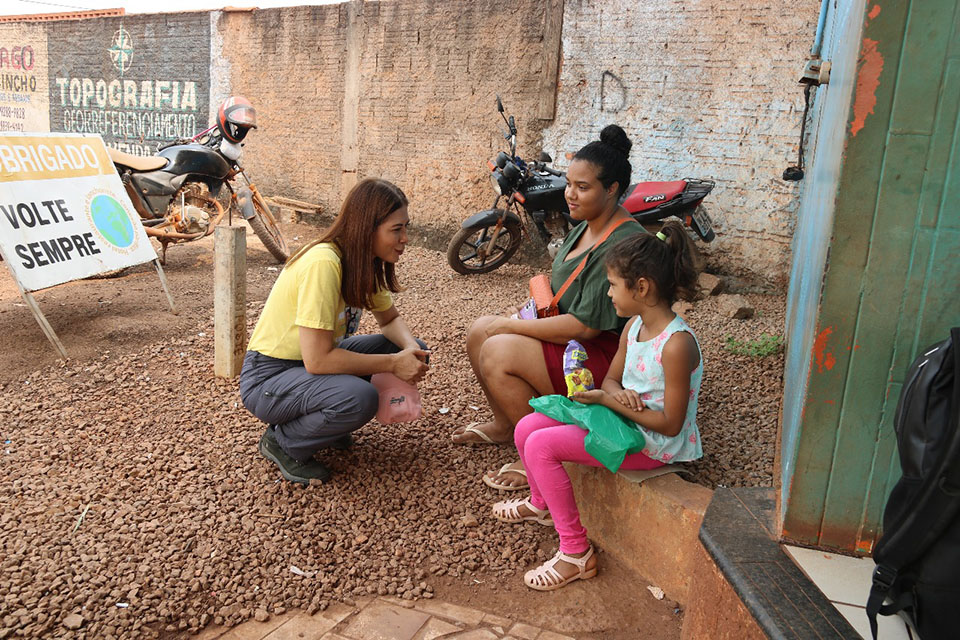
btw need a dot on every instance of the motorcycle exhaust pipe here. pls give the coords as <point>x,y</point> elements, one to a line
<point>173,235</point>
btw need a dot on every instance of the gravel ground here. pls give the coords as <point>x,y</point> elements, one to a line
<point>131,491</point>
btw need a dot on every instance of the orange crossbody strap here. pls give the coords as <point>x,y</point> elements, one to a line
<point>583,263</point>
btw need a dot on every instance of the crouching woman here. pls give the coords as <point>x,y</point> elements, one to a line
<point>304,373</point>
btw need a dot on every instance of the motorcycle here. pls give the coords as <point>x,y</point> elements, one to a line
<point>177,192</point>
<point>535,192</point>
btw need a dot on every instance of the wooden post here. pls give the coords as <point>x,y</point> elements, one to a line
<point>229,300</point>
<point>42,321</point>
<point>35,310</point>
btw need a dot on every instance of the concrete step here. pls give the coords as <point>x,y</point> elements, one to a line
<point>650,524</point>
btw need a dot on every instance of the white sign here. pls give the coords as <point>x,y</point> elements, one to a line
<point>64,214</point>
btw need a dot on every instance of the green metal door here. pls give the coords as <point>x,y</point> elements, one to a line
<point>892,283</point>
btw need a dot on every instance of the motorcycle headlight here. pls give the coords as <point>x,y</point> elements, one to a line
<point>231,150</point>
<point>496,183</point>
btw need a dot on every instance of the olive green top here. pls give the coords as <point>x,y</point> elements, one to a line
<point>586,298</point>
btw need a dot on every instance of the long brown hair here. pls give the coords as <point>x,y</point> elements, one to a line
<point>365,208</point>
<point>672,263</point>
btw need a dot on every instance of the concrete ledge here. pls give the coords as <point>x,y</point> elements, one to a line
<point>715,609</point>
<point>650,527</point>
<point>745,571</point>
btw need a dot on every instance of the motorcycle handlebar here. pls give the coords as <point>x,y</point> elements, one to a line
<point>540,166</point>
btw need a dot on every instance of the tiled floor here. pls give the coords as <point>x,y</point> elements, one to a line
<point>846,583</point>
<point>385,619</point>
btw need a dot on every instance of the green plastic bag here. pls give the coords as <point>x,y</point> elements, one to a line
<point>610,436</point>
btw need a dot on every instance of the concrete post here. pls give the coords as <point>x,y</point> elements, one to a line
<point>552,38</point>
<point>229,300</point>
<point>350,117</point>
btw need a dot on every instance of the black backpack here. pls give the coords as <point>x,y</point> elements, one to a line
<point>918,555</point>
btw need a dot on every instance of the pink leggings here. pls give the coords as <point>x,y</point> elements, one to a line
<point>544,445</point>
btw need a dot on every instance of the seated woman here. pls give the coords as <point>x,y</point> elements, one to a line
<point>304,374</point>
<point>515,360</point>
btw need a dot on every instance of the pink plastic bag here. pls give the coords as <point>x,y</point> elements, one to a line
<point>399,401</point>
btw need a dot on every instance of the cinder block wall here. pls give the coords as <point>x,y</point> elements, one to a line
<point>705,89</point>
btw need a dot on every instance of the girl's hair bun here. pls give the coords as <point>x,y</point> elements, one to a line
<point>617,138</point>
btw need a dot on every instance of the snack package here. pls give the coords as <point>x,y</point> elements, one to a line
<point>528,311</point>
<point>577,376</point>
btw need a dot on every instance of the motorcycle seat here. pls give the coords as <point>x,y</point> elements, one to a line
<point>138,163</point>
<point>647,195</point>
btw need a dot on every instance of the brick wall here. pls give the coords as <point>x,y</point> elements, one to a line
<point>430,73</point>
<point>705,89</point>
<point>399,90</point>
<point>290,64</point>
<point>24,95</point>
<point>136,80</point>
<point>405,90</point>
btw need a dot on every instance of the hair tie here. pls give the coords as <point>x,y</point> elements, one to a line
<point>662,236</point>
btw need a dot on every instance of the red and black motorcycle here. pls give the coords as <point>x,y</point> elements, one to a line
<point>534,191</point>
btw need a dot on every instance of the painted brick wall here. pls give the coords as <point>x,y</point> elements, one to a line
<point>705,89</point>
<point>405,90</point>
<point>24,95</point>
<point>136,80</point>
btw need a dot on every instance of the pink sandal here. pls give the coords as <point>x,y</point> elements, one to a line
<point>547,578</point>
<point>509,511</point>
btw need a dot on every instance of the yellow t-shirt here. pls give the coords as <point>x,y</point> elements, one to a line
<point>307,294</point>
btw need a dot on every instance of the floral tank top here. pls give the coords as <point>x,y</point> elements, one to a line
<point>643,373</point>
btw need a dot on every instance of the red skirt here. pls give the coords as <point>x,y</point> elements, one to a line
<point>600,352</point>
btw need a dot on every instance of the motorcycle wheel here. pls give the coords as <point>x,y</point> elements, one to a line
<point>464,255</point>
<point>265,226</point>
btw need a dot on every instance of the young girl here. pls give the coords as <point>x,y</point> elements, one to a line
<point>653,381</point>
<point>304,374</point>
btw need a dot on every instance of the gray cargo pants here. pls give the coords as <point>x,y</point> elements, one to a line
<point>310,412</point>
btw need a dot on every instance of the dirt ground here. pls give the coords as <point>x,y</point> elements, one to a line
<point>130,476</point>
<point>94,317</point>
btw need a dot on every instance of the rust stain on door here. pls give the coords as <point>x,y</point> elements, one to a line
<point>823,358</point>
<point>868,79</point>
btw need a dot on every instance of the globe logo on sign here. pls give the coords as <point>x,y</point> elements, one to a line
<point>112,221</point>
